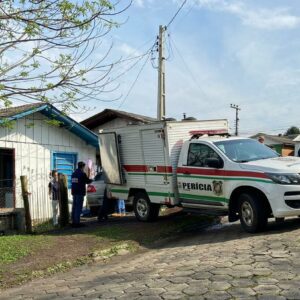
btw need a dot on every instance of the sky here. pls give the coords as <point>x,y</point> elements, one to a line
<point>218,53</point>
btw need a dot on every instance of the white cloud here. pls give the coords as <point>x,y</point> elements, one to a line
<point>139,3</point>
<point>128,50</point>
<point>284,78</point>
<point>277,18</point>
<point>142,3</point>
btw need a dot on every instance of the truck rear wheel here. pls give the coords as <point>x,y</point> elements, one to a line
<point>145,210</point>
<point>252,213</point>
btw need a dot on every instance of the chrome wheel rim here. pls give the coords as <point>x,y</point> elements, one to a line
<point>247,213</point>
<point>142,207</point>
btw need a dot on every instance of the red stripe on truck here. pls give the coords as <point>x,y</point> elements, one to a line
<point>144,168</point>
<point>164,169</point>
<point>214,172</point>
<point>135,168</point>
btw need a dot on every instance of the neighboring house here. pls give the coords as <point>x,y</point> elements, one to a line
<point>110,119</point>
<point>33,147</point>
<point>285,146</point>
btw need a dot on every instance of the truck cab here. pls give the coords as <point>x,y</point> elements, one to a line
<point>239,177</point>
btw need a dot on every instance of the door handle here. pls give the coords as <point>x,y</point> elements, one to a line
<point>186,173</point>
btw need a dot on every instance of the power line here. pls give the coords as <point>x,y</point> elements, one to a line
<point>179,9</point>
<point>187,67</point>
<point>134,82</point>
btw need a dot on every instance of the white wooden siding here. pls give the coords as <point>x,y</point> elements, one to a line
<point>34,140</point>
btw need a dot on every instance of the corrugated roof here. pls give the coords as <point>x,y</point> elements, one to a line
<point>110,114</point>
<point>48,110</point>
<point>12,111</point>
<point>275,138</point>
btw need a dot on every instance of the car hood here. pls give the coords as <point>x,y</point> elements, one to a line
<point>288,164</point>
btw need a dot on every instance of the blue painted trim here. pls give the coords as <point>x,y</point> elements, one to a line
<point>61,152</point>
<point>72,126</point>
<point>51,112</point>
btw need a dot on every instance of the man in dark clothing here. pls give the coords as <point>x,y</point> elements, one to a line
<point>103,211</point>
<point>79,181</point>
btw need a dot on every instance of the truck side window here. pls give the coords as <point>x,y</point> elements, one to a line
<point>198,153</point>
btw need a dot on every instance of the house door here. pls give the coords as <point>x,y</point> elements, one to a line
<point>64,163</point>
<point>7,178</point>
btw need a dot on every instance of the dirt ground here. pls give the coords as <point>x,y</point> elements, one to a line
<point>69,247</point>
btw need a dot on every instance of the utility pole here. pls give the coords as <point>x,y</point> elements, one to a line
<point>161,96</point>
<point>236,107</point>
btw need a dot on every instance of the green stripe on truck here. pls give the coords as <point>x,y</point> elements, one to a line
<point>208,198</point>
<point>149,193</point>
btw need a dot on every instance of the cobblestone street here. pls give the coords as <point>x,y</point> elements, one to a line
<point>219,263</point>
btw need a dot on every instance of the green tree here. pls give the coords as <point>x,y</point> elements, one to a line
<point>46,50</point>
<point>292,130</point>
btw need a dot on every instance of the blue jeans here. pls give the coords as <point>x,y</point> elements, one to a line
<point>77,208</point>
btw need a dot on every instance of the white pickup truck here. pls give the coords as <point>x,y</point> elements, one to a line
<point>190,164</point>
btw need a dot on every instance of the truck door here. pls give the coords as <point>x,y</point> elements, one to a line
<point>199,185</point>
<point>154,155</point>
<point>110,160</point>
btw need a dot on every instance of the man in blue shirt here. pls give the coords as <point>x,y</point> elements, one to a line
<point>79,182</point>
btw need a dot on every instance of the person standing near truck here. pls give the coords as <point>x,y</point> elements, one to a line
<point>79,182</point>
<point>54,195</point>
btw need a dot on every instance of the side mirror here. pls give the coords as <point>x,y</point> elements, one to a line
<point>216,163</point>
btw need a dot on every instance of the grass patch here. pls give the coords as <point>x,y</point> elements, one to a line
<point>23,257</point>
<point>15,247</point>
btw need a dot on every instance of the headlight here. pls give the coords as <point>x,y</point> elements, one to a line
<point>284,178</point>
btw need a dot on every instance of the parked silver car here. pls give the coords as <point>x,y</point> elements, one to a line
<point>95,193</point>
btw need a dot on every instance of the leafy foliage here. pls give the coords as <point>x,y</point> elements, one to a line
<point>292,130</point>
<point>46,50</point>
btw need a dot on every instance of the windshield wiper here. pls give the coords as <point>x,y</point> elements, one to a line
<point>242,161</point>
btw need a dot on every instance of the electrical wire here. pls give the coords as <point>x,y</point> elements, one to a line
<point>179,9</point>
<point>187,67</point>
<point>134,82</point>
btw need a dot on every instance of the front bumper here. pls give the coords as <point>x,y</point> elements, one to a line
<point>285,200</point>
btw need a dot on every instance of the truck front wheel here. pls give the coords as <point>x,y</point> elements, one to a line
<point>145,210</point>
<point>252,213</point>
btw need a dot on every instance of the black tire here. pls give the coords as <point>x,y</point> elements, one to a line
<point>252,212</point>
<point>144,210</point>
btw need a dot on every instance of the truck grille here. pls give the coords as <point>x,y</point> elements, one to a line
<point>292,194</point>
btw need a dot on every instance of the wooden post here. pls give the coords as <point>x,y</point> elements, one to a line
<point>64,202</point>
<point>24,185</point>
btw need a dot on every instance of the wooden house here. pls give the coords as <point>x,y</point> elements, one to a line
<point>31,145</point>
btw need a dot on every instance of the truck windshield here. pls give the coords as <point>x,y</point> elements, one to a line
<point>244,150</point>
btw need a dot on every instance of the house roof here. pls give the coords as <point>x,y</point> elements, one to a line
<point>109,114</point>
<point>48,110</point>
<point>277,139</point>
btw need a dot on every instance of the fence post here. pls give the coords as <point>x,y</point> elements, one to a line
<point>64,202</point>
<point>24,185</point>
